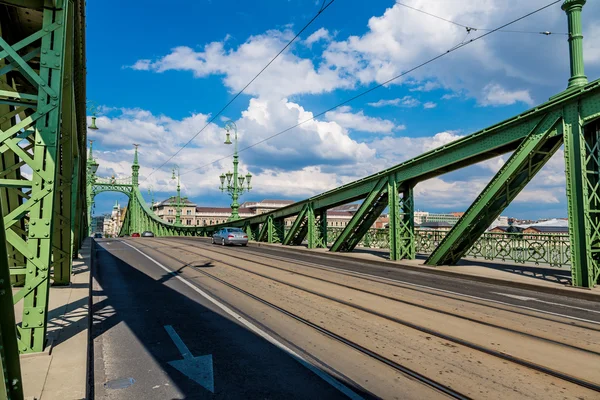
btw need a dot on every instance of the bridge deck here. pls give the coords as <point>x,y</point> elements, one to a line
<point>369,331</point>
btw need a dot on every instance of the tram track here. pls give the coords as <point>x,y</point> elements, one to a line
<point>559,319</point>
<point>444,389</point>
<point>473,346</point>
<point>395,299</point>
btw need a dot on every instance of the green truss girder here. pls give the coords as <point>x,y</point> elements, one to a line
<point>401,221</point>
<point>370,209</point>
<point>529,158</point>
<point>298,230</point>
<point>582,159</point>
<point>316,227</point>
<point>11,386</point>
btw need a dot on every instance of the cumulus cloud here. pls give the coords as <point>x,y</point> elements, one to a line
<point>429,104</point>
<point>361,122</point>
<point>406,101</point>
<point>321,34</point>
<point>496,95</point>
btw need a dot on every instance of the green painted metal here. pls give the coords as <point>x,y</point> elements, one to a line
<point>40,131</point>
<point>316,223</point>
<point>573,9</point>
<point>235,183</point>
<point>401,221</point>
<point>517,172</point>
<point>368,212</point>
<point>298,230</point>
<point>11,383</point>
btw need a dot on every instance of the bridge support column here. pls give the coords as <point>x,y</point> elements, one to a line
<point>39,127</point>
<point>582,158</point>
<point>317,232</point>
<point>531,155</point>
<point>402,221</point>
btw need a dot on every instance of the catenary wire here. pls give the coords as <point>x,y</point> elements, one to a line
<point>470,28</point>
<point>365,92</point>
<point>323,8</point>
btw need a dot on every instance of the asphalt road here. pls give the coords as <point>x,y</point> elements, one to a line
<point>134,300</point>
<point>162,306</point>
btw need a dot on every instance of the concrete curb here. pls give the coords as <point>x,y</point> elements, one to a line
<point>561,290</point>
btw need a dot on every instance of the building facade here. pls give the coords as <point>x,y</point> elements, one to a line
<point>167,211</point>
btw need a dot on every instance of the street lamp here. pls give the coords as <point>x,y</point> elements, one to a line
<point>92,168</point>
<point>235,183</point>
<point>92,108</point>
<point>178,204</point>
<point>151,193</point>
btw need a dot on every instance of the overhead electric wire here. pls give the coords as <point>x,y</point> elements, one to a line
<point>361,94</point>
<point>471,28</point>
<point>322,9</point>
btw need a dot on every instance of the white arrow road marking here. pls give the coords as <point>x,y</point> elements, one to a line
<point>321,374</point>
<point>514,296</point>
<point>199,369</point>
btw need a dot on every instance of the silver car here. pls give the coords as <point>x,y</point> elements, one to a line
<point>226,236</point>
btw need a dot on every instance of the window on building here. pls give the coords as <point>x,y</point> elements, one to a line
<point>188,222</point>
<point>170,212</point>
<point>189,212</point>
<point>170,221</point>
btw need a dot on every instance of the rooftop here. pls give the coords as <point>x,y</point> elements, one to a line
<point>172,200</point>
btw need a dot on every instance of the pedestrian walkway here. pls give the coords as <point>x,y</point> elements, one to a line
<point>60,372</point>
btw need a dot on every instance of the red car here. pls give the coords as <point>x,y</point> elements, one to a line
<point>135,234</point>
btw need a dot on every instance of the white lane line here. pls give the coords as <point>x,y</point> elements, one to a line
<point>345,271</point>
<point>523,298</point>
<point>326,377</point>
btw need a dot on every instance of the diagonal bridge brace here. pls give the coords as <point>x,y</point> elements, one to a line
<point>371,208</point>
<point>529,158</point>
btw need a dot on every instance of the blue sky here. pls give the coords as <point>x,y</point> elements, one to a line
<point>159,73</point>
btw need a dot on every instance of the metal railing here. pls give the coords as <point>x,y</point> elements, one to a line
<point>548,249</point>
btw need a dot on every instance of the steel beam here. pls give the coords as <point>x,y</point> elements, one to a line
<point>11,384</point>
<point>401,221</point>
<point>367,213</point>
<point>582,158</point>
<point>539,146</point>
<point>295,232</point>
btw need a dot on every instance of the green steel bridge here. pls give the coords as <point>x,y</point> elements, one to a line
<point>47,184</point>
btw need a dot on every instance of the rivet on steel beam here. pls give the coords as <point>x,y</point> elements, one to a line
<point>30,271</point>
<point>33,222</point>
<point>46,235</point>
<point>40,323</point>
<point>25,324</point>
<point>26,312</point>
<point>40,311</point>
<point>56,64</point>
<point>57,54</point>
<point>43,62</point>
<point>33,234</point>
<point>45,29</point>
<point>44,51</point>
<point>47,223</point>
<point>29,287</point>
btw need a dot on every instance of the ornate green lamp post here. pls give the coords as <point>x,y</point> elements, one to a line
<point>91,107</point>
<point>92,167</point>
<point>151,193</point>
<point>178,204</point>
<point>235,184</point>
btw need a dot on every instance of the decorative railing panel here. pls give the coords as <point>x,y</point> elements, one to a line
<point>547,249</point>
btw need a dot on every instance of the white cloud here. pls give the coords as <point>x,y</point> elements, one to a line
<point>406,101</point>
<point>321,34</point>
<point>426,87</point>
<point>496,95</point>
<point>360,122</point>
<point>429,104</point>
<point>591,44</point>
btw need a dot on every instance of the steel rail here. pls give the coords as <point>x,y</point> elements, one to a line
<point>494,353</point>
<point>390,363</point>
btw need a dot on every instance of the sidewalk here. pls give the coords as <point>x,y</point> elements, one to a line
<point>528,276</point>
<point>60,373</point>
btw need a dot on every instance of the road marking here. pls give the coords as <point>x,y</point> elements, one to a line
<point>349,272</point>
<point>323,375</point>
<point>523,298</point>
<point>199,369</point>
